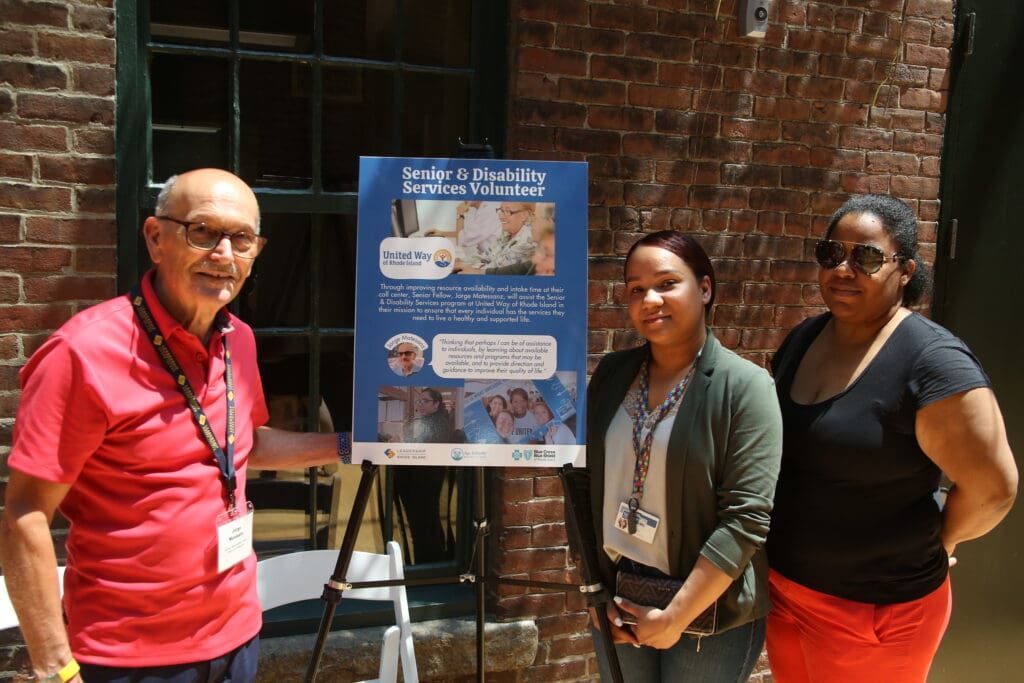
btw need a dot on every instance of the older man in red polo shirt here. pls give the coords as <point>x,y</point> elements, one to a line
<point>138,419</point>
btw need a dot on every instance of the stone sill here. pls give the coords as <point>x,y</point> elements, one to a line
<point>445,649</point>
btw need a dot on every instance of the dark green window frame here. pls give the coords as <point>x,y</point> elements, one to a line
<point>137,188</point>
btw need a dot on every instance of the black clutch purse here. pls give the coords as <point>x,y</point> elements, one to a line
<point>658,592</point>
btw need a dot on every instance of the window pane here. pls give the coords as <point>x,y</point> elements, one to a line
<point>364,29</point>
<point>336,380</point>
<point>426,504</point>
<point>358,115</point>
<point>337,272</point>
<point>435,115</point>
<point>277,294</point>
<point>437,33</point>
<point>365,111</point>
<point>189,131</point>
<point>282,499</point>
<point>276,26</point>
<point>193,22</point>
<point>276,122</point>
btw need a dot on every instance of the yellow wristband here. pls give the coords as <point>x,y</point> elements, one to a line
<point>69,671</point>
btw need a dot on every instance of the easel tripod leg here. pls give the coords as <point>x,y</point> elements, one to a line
<point>577,507</point>
<point>332,592</point>
<point>481,569</point>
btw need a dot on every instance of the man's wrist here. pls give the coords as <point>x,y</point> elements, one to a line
<point>345,447</point>
<point>66,673</point>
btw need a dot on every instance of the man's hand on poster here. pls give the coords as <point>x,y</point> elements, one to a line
<point>463,269</point>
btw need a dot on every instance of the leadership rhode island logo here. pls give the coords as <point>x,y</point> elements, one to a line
<point>390,453</point>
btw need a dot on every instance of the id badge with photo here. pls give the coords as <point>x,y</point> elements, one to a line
<point>234,536</point>
<point>646,523</point>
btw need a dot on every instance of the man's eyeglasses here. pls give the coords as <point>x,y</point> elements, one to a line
<point>406,353</point>
<point>244,243</point>
<point>864,257</point>
<point>502,211</point>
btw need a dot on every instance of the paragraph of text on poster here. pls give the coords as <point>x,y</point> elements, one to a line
<point>476,304</point>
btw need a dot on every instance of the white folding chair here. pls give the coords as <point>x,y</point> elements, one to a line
<point>285,579</point>
<point>8,619</point>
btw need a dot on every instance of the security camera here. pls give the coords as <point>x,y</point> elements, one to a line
<point>753,18</point>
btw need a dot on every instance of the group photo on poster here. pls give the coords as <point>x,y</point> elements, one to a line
<point>471,331</point>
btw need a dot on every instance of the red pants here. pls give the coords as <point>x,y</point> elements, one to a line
<point>818,638</point>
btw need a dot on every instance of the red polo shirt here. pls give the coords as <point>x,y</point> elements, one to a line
<point>99,411</point>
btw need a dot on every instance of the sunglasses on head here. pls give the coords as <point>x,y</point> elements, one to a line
<point>864,257</point>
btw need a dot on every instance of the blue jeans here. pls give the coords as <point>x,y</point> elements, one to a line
<point>237,666</point>
<point>727,657</point>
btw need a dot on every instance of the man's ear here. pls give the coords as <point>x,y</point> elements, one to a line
<point>152,233</point>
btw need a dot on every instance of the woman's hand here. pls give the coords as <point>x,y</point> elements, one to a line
<point>662,628</point>
<point>621,633</point>
<point>550,436</point>
<point>654,627</point>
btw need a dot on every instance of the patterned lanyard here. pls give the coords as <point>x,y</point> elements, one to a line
<point>644,424</point>
<point>225,461</point>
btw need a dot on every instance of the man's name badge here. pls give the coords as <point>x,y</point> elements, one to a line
<point>234,537</point>
<point>646,523</point>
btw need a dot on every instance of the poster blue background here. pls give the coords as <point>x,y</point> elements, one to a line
<point>385,179</point>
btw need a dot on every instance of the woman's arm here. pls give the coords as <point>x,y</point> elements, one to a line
<point>964,435</point>
<point>663,628</point>
<point>747,475</point>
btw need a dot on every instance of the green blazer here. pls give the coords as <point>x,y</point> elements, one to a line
<point>723,460</point>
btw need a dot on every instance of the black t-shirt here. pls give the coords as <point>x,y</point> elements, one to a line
<point>854,510</point>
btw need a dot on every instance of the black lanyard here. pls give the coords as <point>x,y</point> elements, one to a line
<point>226,462</point>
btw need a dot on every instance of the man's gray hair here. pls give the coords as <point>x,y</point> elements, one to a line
<point>161,199</point>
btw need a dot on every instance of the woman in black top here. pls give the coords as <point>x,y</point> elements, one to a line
<point>877,403</point>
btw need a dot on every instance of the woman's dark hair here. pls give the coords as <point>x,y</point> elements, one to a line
<point>518,390</point>
<point>901,225</point>
<point>686,248</point>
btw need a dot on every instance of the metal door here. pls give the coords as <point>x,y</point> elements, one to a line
<point>980,297</point>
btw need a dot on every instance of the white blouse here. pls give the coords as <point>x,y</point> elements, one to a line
<point>619,464</point>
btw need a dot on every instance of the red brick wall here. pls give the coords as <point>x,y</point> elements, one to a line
<point>57,229</point>
<point>57,232</point>
<point>747,143</point>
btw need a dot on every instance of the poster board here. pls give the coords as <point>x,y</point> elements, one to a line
<point>471,312</point>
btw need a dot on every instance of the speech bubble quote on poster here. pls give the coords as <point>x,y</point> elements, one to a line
<point>494,356</point>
